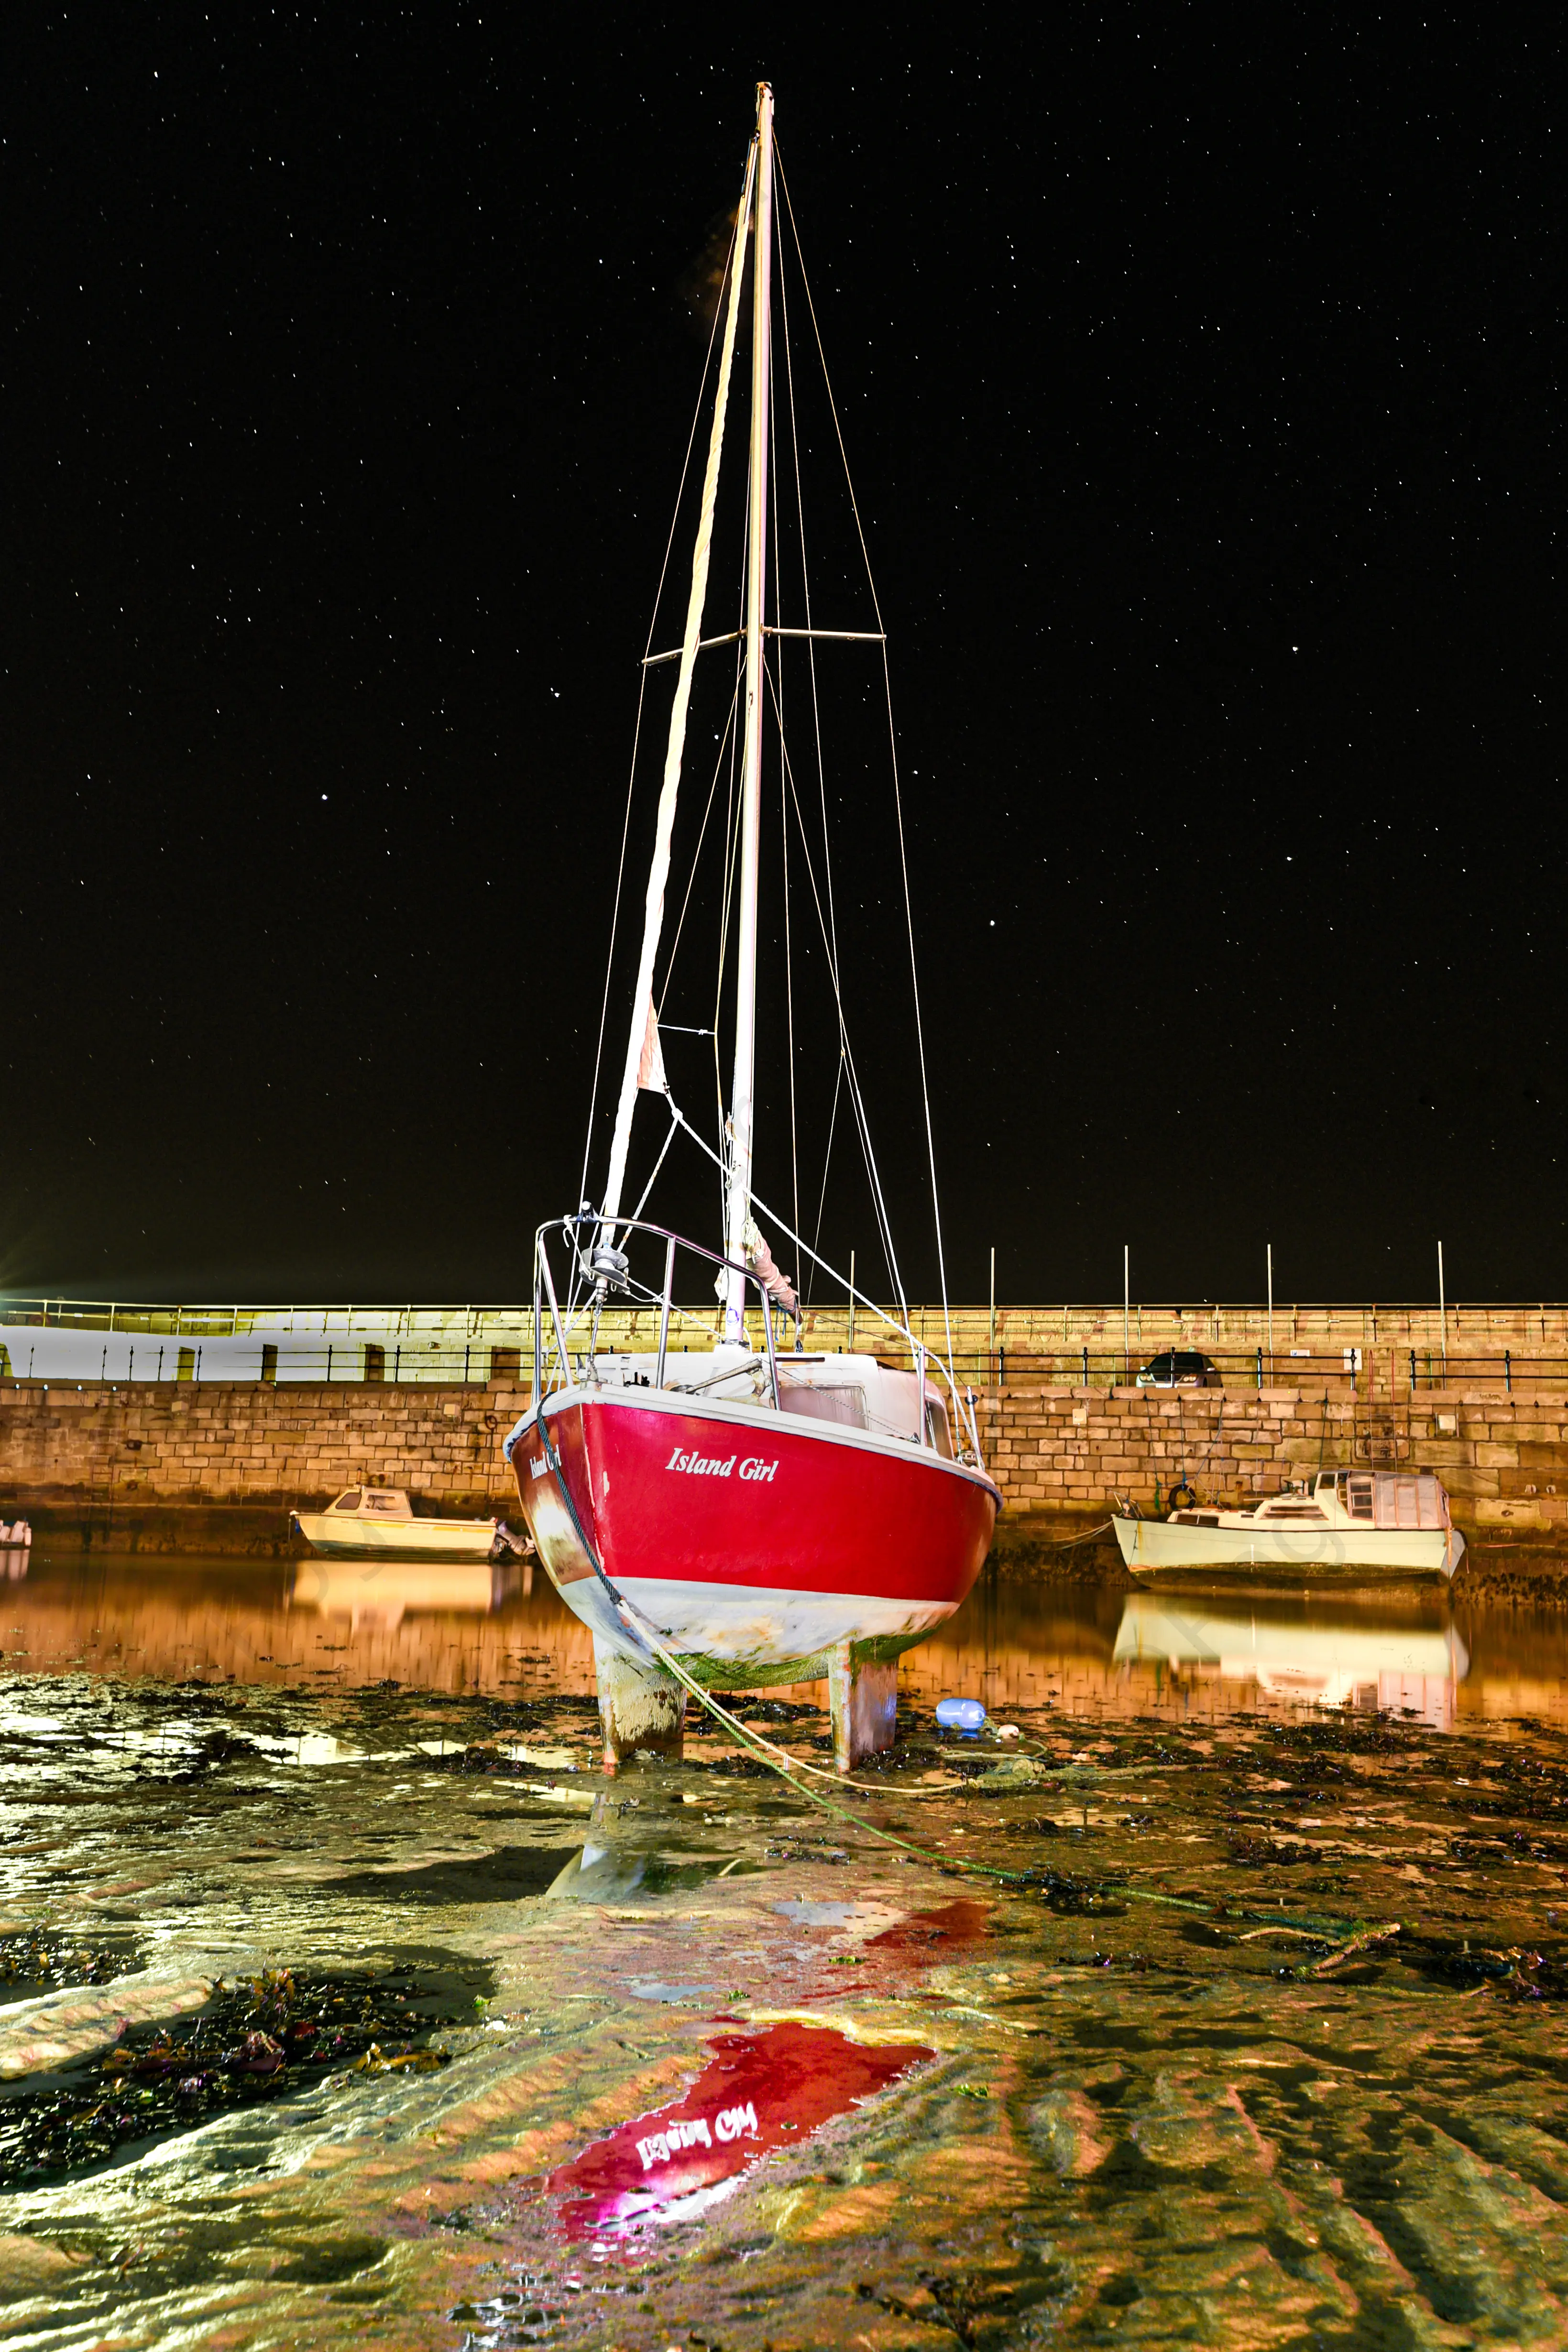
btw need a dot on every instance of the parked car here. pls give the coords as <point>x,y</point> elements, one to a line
<point>1180,1368</point>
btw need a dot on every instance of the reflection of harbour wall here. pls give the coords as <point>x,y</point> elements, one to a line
<point>319,1625</point>
<point>214,1466</point>
<point>174,1622</point>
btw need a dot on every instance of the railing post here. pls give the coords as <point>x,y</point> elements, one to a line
<point>1260,1368</point>
<point>555,1315</point>
<point>1412,1372</point>
<point>768,1329</point>
<point>664,1311</point>
<point>1508,1368</point>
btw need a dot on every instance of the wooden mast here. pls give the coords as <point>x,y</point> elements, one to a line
<point>743,1089</point>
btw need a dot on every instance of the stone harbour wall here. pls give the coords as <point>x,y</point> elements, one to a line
<point>205,1465</point>
<point>1055,1453</point>
<point>202,1466</point>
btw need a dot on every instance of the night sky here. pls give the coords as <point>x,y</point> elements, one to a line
<point>1201,380</point>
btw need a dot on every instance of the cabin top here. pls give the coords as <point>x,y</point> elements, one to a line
<point>855,1391</point>
<point>374,1501</point>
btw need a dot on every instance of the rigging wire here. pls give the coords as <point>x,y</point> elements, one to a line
<point>831,938</point>
<point>637,731</point>
<point>826,1163</point>
<point>784,807</point>
<point>696,853</point>
<point>616,912</point>
<point>847,1063</point>
<point>659,1164</point>
<point>732,854</point>
<point>893,748</point>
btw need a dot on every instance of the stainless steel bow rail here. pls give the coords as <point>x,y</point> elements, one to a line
<point>600,1269</point>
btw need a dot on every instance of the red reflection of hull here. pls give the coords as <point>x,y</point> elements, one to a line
<point>761,2091</point>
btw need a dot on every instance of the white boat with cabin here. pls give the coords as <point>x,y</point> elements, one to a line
<point>1383,1522</point>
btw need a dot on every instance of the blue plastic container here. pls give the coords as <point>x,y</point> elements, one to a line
<point>960,1714</point>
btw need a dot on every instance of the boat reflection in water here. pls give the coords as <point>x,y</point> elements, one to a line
<point>614,1872</point>
<point>1017,1644</point>
<point>1368,1656</point>
<point>757,2092</point>
<point>384,1591</point>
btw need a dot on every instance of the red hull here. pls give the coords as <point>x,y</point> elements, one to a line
<point>703,1513</point>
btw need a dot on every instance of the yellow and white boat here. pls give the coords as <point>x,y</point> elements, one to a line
<point>378,1523</point>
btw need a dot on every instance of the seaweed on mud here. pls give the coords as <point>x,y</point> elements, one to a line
<point>804,1849</point>
<point>1254,1851</point>
<point>1514,1973</point>
<point>489,1762</point>
<point>1073,1897</point>
<point>257,2041</point>
<point>39,1958</point>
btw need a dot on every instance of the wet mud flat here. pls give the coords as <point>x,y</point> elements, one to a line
<point>1236,2023</point>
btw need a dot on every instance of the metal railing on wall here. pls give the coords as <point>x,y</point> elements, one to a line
<point>63,1355</point>
<point>1464,1330</point>
<point>1389,1374</point>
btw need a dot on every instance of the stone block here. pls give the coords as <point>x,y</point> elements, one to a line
<point>1515,1513</point>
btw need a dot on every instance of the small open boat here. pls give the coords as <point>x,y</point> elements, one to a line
<point>1383,1522</point>
<point>378,1523</point>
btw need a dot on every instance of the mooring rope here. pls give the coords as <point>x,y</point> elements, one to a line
<point>787,1767</point>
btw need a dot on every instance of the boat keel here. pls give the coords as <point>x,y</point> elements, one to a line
<point>641,1707</point>
<point>863,1700</point>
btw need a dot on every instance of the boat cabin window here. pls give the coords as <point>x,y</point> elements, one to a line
<point>349,1502</point>
<point>1360,1497</point>
<point>1326,1480</point>
<point>845,1405</point>
<point>393,1502</point>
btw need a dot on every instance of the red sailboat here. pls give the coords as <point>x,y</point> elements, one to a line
<point>745,1514</point>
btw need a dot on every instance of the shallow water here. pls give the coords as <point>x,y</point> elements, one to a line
<point>1173,2077</point>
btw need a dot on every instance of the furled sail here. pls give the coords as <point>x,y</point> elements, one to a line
<point>653,914</point>
<point>650,1060</point>
<point>760,1258</point>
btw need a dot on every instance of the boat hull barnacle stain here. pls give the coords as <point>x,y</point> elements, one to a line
<point>758,2091</point>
